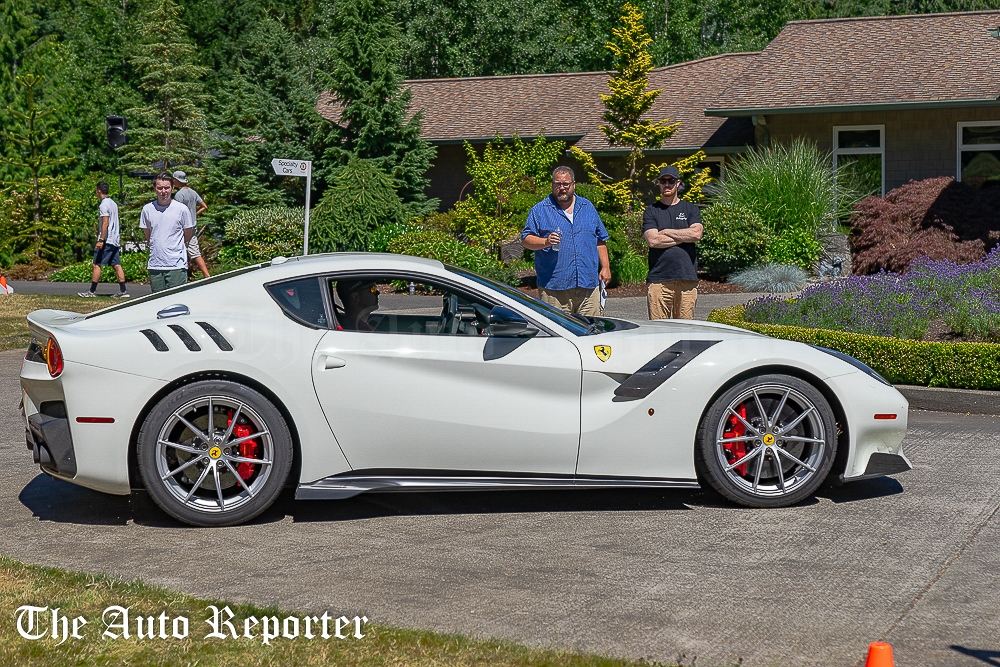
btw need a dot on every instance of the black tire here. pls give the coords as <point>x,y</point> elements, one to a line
<point>209,478</point>
<point>796,427</point>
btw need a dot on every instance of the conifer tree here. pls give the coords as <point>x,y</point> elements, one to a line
<point>363,54</point>
<point>35,149</point>
<point>169,128</point>
<point>630,100</point>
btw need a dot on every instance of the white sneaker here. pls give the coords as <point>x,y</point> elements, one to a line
<point>86,294</point>
<point>121,295</point>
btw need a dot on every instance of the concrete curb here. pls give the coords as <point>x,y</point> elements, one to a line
<point>962,401</point>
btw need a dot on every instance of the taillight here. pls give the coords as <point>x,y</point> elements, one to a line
<point>53,357</point>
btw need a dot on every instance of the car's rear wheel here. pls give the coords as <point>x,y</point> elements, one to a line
<point>768,441</point>
<point>214,453</point>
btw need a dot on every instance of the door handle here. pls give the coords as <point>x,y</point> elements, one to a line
<point>334,362</point>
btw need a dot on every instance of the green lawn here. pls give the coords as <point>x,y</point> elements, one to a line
<point>89,596</point>
<point>14,307</point>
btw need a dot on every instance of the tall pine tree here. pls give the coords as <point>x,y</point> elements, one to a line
<point>363,56</point>
<point>168,130</point>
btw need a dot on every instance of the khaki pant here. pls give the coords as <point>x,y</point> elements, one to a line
<point>578,300</point>
<point>674,299</point>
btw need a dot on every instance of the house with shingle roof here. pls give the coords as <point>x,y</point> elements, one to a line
<point>898,97</point>
<point>893,98</point>
<point>568,107</point>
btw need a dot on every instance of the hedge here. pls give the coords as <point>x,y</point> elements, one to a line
<point>955,365</point>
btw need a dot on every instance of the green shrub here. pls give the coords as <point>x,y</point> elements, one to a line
<point>629,268</point>
<point>628,265</point>
<point>734,239</point>
<point>133,264</point>
<point>360,199</point>
<point>793,190</point>
<point>956,365</point>
<point>384,235</point>
<point>261,234</point>
<point>770,278</point>
<point>444,248</point>
<point>509,178</point>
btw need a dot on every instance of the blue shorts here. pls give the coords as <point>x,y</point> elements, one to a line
<point>107,255</point>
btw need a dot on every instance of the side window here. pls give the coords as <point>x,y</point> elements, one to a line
<point>390,304</point>
<point>302,300</point>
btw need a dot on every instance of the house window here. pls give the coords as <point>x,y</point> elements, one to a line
<point>978,152</point>
<point>715,165</point>
<point>859,157</point>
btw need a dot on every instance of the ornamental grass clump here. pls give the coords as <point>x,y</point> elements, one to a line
<point>793,191</point>
<point>770,278</point>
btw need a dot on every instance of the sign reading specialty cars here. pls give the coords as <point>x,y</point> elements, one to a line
<point>291,167</point>
<point>302,168</point>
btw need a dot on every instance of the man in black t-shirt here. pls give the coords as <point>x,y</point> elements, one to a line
<point>671,227</point>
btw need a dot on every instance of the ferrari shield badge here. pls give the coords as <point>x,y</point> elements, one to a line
<point>603,352</point>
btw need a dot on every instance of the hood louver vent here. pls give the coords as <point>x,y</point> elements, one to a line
<point>155,339</point>
<point>214,334</point>
<point>189,342</point>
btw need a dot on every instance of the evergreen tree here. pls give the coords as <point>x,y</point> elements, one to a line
<point>168,129</point>
<point>363,54</point>
<point>630,100</point>
<point>36,150</point>
<point>266,108</point>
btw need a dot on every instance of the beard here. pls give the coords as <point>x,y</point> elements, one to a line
<point>563,196</point>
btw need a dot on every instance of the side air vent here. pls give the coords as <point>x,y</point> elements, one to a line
<point>214,334</point>
<point>155,339</point>
<point>185,337</point>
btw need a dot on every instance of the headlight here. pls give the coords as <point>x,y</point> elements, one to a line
<point>854,362</point>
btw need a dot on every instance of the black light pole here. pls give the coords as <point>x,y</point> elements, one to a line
<point>115,127</point>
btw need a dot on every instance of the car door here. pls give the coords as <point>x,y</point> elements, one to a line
<point>422,392</point>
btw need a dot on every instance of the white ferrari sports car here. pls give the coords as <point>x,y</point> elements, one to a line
<point>353,373</point>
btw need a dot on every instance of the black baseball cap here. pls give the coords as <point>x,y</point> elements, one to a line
<point>670,170</point>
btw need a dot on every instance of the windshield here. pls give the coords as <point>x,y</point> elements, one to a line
<point>578,325</point>
<point>182,288</point>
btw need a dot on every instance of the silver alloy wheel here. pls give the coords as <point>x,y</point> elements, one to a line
<point>776,440</point>
<point>198,454</point>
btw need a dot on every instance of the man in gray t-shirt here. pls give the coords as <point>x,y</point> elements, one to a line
<point>187,196</point>
<point>169,228</point>
<point>107,249</point>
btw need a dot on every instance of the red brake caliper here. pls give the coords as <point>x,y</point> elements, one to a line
<point>248,448</point>
<point>735,429</point>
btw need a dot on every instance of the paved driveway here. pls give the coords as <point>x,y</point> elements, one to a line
<point>639,574</point>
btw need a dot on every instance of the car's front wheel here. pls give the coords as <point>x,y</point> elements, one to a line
<point>214,453</point>
<point>768,441</point>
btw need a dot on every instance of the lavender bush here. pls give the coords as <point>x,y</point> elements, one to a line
<point>965,296</point>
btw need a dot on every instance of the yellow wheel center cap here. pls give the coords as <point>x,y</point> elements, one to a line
<point>216,452</point>
<point>768,439</point>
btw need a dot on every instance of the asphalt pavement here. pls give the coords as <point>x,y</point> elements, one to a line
<point>642,574</point>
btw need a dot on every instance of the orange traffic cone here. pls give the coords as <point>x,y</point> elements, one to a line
<point>3,283</point>
<point>879,655</point>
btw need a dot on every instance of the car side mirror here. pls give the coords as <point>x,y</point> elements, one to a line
<point>505,323</point>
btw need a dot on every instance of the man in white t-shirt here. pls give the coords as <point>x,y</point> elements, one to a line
<point>169,227</point>
<point>107,250</point>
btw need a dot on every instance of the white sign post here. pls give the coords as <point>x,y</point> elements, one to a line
<point>284,167</point>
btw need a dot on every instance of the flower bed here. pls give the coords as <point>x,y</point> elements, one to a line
<point>962,300</point>
<point>900,361</point>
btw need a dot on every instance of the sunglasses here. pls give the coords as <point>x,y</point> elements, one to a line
<point>667,181</point>
<point>558,185</point>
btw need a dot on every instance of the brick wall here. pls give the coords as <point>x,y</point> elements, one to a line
<point>918,144</point>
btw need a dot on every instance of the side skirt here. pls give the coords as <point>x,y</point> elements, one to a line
<point>345,486</point>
